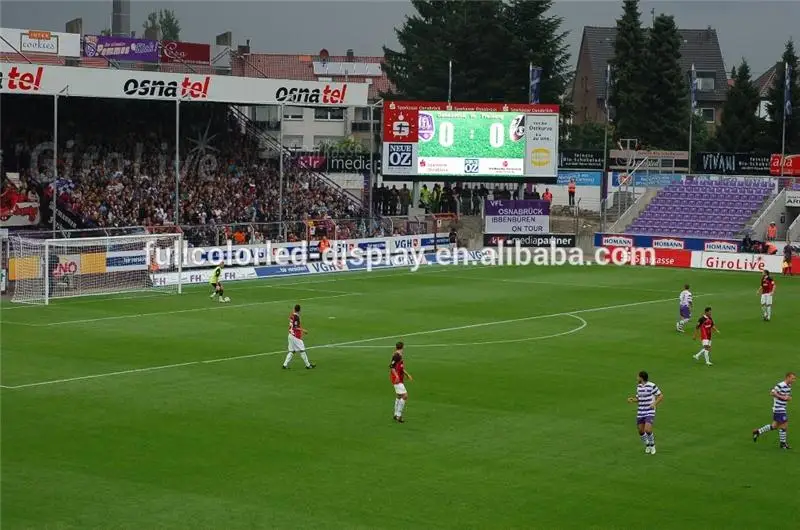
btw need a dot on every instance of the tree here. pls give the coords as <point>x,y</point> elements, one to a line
<point>151,23</point>
<point>702,139</point>
<point>666,102</point>
<point>536,39</point>
<point>739,126</point>
<point>629,64</point>
<point>775,106</point>
<point>589,135</point>
<point>164,22</point>
<point>106,32</point>
<point>169,24</point>
<point>491,45</point>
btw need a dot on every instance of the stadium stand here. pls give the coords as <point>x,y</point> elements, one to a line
<point>702,208</point>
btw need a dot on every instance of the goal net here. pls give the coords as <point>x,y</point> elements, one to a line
<point>43,269</point>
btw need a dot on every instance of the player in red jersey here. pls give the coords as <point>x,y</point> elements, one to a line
<point>706,328</point>
<point>397,375</point>
<point>766,290</point>
<point>296,344</point>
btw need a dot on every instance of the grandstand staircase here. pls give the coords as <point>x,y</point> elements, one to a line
<point>272,143</point>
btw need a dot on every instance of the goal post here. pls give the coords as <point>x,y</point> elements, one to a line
<point>44,269</point>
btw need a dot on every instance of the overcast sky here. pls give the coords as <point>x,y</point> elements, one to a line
<point>755,30</point>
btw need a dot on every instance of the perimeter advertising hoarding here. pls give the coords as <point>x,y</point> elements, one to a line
<point>667,242</point>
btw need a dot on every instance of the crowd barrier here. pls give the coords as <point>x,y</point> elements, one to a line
<point>274,271</point>
<point>694,259</point>
<point>111,260</point>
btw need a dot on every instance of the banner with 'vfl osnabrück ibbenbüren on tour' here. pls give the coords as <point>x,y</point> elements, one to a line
<point>517,217</point>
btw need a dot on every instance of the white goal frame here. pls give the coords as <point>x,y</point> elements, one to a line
<point>141,277</point>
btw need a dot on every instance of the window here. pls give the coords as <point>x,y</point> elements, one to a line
<point>363,114</point>
<point>326,114</point>
<point>293,113</point>
<point>709,115</point>
<point>706,81</point>
<point>293,142</point>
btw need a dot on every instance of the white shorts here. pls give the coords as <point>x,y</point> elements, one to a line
<point>399,388</point>
<point>766,299</point>
<point>296,344</point>
<point>706,342</point>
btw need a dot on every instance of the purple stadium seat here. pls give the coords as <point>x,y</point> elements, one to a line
<point>703,208</point>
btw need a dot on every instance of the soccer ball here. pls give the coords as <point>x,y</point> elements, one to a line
<point>226,299</point>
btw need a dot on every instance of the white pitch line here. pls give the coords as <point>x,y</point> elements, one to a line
<point>489,342</point>
<point>567,284</point>
<point>349,343</point>
<point>180,311</point>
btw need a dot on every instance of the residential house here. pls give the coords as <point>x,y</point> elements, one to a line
<point>307,127</point>
<point>699,47</point>
<point>763,84</point>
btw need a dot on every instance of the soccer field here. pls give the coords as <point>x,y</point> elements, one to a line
<point>173,412</point>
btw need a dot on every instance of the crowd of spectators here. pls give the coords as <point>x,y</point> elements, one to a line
<point>113,175</point>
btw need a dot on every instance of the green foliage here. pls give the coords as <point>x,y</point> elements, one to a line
<point>538,40</point>
<point>739,126</point>
<point>775,106</point>
<point>702,138</point>
<point>106,32</point>
<point>164,21</point>
<point>629,85</point>
<point>666,103</point>
<point>589,135</point>
<point>490,44</point>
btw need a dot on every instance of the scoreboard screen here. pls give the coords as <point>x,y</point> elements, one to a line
<point>464,142</point>
<point>470,140</point>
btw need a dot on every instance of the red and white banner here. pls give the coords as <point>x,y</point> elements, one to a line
<point>649,257</point>
<point>19,209</point>
<point>791,165</point>
<point>185,52</point>
<point>37,41</point>
<point>723,261</point>
<point>47,80</point>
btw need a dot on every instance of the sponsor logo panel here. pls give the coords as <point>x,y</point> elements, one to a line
<point>669,243</point>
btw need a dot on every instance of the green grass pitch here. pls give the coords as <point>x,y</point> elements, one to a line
<point>517,417</point>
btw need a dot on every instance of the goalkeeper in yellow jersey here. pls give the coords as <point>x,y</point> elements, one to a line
<point>216,284</point>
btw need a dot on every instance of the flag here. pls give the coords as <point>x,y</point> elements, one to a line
<point>787,90</point>
<point>608,86</point>
<point>693,88</point>
<point>535,73</point>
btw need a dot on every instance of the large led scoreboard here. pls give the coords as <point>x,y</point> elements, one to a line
<point>469,140</point>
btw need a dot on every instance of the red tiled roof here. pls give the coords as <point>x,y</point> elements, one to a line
<point>36,58</point>
<point>301,68</point>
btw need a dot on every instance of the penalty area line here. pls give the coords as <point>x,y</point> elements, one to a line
<point>341,344</point>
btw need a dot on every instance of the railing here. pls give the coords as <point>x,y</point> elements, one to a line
<point>240,233</point>
<point>287,153</point>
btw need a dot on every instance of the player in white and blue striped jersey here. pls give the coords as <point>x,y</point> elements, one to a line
<point>648,397</point>
<point>685,302</point>
<point>781,396</point>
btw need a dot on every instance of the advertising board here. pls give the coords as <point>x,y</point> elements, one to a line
<point>667,242</point>
<point>49,80</point>
<point>121,48</point>
<point>470,139</point>
<point>530,241</point>
<point>38,41</point>
<point>523,217</point>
